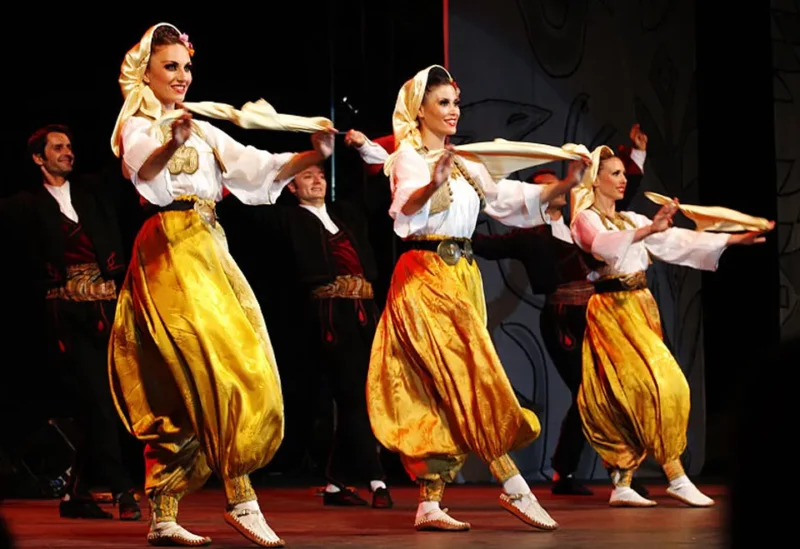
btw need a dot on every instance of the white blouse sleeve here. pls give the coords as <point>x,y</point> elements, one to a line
<point>511,202</point>
<point>696,249</point>
<point>410,173</point>
<point>250,173</point>
<point>372,153</point>
<point>592,237</point>
<point>139,141</point>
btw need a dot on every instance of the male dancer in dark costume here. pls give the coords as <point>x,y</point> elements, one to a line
<point>329,253</point>
<point>71,235</point>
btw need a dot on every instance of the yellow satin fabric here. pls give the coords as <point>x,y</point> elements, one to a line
<point>436,389</point>
<point>634,398</point>
<point>191,365</point>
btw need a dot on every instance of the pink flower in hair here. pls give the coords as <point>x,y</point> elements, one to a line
<point>185,39</point>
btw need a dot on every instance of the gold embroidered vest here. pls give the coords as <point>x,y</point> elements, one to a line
<point>186,159</point>
<point>443,196</point>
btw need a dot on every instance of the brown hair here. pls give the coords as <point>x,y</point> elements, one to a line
<point>605,154</point>
<point>38,140</point>
<point>164,36</point>
<point>437,77</point>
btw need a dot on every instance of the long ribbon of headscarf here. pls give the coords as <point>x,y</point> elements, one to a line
<point>500,157</point>
<point>582,194</point>
<point>405,125</point>
<point>140,100</point>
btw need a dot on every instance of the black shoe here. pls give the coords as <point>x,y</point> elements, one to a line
<point>82,509</point>
<point>382,499</point>
<point>568,486</point>
<point>128,508</point>
<point>639,488</point>
<point>343,498</point>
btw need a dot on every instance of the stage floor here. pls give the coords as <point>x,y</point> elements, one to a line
<point>300,518</point>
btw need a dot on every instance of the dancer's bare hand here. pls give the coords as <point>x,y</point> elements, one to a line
<point>663,219</point>
<point>323,141</point>
<point>443,168</point>
<point>638,138</point>
<point>182,128</point>
<point>751,237</point>
<point>355,138</point>
<point>575,171</point>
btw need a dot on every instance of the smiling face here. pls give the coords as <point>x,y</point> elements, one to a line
<point>611,181</point>
<point>169,73</point>
<point>309,186</point>
<point>57,158</point>
<point>440,111</point>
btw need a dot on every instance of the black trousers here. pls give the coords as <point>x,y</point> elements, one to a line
<point>562,328</point>
<point>78,338</point>
<point>346,328</point>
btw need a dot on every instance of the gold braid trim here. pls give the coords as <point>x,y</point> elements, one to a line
<point>239,490</point>
<point>503,468</point>
<point>164,507</point>
<point>673,469</point>
<point>621,478</point>
<point>441,199</point>
<point>620,221</point>
<point>431,490</point>
<point>443,196</point>
<point>460,167</point>
<point>186,159</point>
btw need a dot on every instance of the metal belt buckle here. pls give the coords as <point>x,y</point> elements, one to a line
<point>468,252</point>
<point>206,213</point>
<point>634,281</point>
<point>449,251</point>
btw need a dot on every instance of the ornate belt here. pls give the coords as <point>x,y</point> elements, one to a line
<point>206,209</point>
<point>451,250</point>
<point>572,293</point>
<point>85,282</point>
<point>346,287</point>
<point>625,283</point>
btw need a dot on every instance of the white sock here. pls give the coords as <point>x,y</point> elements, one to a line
<point>163,526</point>
<point>516,485</point>
<point>249,505</point>
<point>426,507</point>
<point>375,484</point>
<point>332,488</point>
<point>679,482</point>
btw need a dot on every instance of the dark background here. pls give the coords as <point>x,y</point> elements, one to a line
<point>63,68</point>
